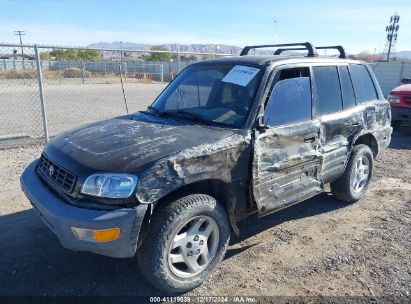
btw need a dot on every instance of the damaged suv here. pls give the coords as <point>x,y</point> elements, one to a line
<point>227,138</point>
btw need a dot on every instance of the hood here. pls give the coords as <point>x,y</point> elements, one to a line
<point>402,89</point>
<point>128,143</point>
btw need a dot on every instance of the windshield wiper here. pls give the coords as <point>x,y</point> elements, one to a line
<point>188,115</point>
<point>195,117</point>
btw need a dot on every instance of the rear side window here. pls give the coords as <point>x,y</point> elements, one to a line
<point>347,88</point>
<point>363,84</point>
<point>290,99</point>
<point>328,89</point>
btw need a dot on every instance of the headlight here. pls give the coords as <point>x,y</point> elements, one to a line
<point>110,185</point>
<point>393,99</point>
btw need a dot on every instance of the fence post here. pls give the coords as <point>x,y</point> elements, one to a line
<point>42,100</point>
<point>61,76</point>
<point>125,71</point>
<point>82,70</point>
<point>4,64</point>
<point>162,72</point>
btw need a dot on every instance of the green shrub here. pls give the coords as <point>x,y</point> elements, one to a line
<point>76,73</point>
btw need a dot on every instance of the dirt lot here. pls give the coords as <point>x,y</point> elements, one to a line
<point>68,105</point>
<point>320,247</point>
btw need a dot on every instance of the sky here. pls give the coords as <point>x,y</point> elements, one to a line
<point>356,24</point>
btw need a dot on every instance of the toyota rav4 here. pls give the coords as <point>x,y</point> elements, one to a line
<point>227,138</point>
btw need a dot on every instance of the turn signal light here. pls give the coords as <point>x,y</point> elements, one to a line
<point>105,235</point>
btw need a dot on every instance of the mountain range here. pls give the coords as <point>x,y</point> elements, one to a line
<point>196,48</point>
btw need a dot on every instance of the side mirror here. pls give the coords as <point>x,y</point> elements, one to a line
<point>405,81</point>
<point>260,122</point>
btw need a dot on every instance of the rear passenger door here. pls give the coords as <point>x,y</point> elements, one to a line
<point>339,118</point>
<point>286,162</point>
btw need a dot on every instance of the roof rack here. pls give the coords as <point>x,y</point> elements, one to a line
<point>312,52</point>
<point>335,47</point>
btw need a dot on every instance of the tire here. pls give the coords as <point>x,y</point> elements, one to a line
<point>396,125</point>
<point>192,216</point>
<point>345,188</point>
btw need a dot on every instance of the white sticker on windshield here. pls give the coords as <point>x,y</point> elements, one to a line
<point>241,75</point>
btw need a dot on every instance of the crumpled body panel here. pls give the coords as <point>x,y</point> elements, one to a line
<point>219,160</point>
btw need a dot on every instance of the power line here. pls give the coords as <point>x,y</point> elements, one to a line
<point>392,32</point>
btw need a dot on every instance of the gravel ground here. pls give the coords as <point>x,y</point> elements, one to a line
<point>320,247</point>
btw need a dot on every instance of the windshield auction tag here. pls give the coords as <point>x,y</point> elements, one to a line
<point>241,75</point>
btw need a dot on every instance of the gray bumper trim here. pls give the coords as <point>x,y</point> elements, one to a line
<point>60,217</point>
<point>399,113</point>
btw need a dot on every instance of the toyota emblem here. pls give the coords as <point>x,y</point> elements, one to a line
<point>51,170</point>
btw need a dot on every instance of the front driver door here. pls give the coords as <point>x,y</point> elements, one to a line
<point>286,160</point>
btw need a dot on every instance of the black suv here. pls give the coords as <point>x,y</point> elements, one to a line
<point>227,138</point>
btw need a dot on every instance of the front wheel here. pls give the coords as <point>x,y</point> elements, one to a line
<point>186,242</point>
<point>350,187</point>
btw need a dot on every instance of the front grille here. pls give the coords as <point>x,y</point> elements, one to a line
<point>56,174</point>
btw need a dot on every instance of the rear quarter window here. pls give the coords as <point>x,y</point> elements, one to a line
<point>363,85</point>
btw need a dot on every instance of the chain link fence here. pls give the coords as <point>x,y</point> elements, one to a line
<point>45,90</point>
<point>77,86</point>
<point>20,114</point>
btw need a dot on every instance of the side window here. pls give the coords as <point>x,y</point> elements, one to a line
<point>363,84</point>
<point>347,88</point>
<point>290,99</point>
<point>328,89</point>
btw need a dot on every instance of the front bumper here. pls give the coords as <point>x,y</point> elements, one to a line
<point>399,113</point>
<point>60,217</point>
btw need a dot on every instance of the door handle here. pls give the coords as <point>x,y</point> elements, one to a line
<point>355,124</point>
<point>310,138</point>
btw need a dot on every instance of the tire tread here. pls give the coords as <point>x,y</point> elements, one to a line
<point>161,221</point>
<point>341,188</point>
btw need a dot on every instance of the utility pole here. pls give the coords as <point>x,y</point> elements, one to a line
<point>275,31</point>
<point>21,33</point>
<point>392,33</point>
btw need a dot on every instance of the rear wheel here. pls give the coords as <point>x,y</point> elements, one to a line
<point>396,124</point>
<point>186,242</point>
<point>350,187</point>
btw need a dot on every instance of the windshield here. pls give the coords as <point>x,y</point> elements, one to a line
<point>215,95</point>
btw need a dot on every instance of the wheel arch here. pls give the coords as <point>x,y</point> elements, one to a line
<point>216,188</point>
<point>369,140</point>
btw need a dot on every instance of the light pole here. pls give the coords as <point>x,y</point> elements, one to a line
<point>216,48</point>
<point>275,30</point>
